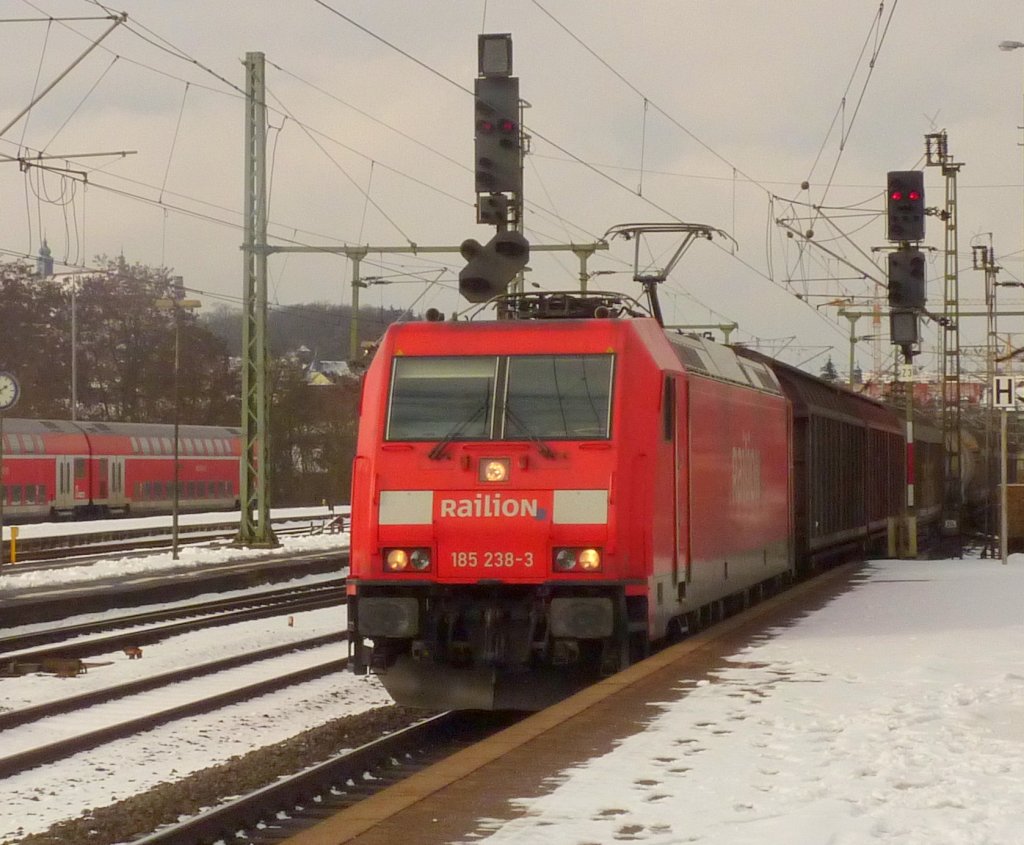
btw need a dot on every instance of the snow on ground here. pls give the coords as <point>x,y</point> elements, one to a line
<point>37,799</point>
<point>894,714</point>
<point>191,557</point>
<point>34,800</point>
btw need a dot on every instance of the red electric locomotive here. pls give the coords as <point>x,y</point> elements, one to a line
<point>55,469</point>
<point>535,500</point>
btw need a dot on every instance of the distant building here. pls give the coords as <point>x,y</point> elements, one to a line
<point>44,262</point>
<point>329,372</point>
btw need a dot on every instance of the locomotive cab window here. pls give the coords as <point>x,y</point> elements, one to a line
<point>434,398</point>
<point>566,397</point>
<point>558,396</point>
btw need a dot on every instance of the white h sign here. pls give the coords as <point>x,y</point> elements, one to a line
<point>1008,392</point>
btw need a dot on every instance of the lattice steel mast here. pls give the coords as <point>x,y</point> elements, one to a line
<point>253,481</point>
<point>937,155</point>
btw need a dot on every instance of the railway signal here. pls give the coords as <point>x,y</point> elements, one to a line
<point>907,296</point>
<point>907,279</point>
<point>492,266</point>
<point>493,209</point>
<point>904,205</point>
<point>498,150</point>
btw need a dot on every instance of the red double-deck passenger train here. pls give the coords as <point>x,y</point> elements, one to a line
<point>535,500</point>
<point>56,469</point>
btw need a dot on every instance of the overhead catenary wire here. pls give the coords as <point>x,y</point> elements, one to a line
<point>735,169</point>
<point>638,187</point>
<point>163,44</point>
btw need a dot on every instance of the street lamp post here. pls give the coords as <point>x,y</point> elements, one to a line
<point>73,278</point>
<point>176,306</point>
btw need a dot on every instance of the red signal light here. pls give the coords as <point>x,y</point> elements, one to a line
<point>506,125</point>
<point>485,127</point>
<point>911,196</point>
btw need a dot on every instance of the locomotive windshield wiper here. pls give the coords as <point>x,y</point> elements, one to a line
<point>542,447</point>
<point>441,446</point>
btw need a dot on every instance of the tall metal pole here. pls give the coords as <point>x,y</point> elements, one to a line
<point>253,483</point>
<point>1003,545</point>
<point>983,258</point>
<point>8,400</point>
<point>910,549</point>
<point>937,154</point>
<point>176,306</point>
<point>852,317</point>
<point>356,258</point>
<point>3,490</point>
<point>74,350</point>
<point>175,499</point>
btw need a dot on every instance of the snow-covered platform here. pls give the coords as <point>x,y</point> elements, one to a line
<point>880,703</point>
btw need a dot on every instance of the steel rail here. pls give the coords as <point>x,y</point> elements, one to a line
<point>278,601</point>
<point>25,715</point>
<point>334,784</point>
<point>55,751</point>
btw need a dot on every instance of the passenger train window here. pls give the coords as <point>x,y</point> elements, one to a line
<point>79,469</point>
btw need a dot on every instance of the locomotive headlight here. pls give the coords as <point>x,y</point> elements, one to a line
<point>401,560</point>
<point>396,560</point>
<point>420,559</point>
<point>577,560</point>
<point>565,559</point>
<point>589,560</point>
<point>494,469</point>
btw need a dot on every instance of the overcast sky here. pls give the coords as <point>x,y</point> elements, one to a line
<point>647,111</point>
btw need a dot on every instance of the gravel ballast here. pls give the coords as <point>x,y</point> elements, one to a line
<point>168,803</point>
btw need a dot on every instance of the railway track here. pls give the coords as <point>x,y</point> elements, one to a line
<point>277,811</point>
<point>101,728</point>
<point>86,543</point>
<point>137,629</point>
<point>26,715</point>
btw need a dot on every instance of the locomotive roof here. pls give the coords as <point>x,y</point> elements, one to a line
<point>698,355</point>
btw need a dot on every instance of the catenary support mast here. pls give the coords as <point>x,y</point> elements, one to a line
<point>253,483</point>
<point>938,156</point>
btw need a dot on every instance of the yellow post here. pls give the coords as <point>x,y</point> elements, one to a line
<point>14,544</point>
